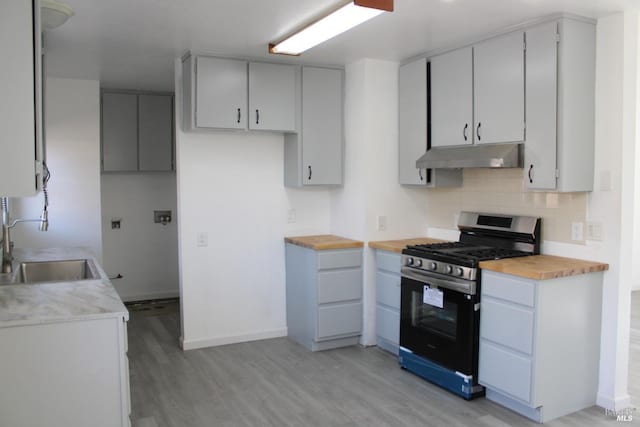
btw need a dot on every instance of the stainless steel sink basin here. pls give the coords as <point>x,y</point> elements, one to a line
<point>56,271</point>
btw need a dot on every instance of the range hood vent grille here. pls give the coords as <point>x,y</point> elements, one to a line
<point>476,156</point>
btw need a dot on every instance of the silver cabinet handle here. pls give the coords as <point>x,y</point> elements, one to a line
<point>309,172</point>
<point>257,116</point>
<point>420,174</point>
<point>478,131</point>
<point>239,115</point>
<point>464,131</point>
<point>531,174</point>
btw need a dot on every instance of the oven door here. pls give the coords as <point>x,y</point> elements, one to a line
<point>438,323</point>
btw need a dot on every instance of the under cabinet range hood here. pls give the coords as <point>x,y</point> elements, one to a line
<point>475,156</point>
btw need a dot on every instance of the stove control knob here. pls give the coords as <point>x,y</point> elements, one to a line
<point>433,266</point>
<point>418,263</point>
<point>459,271</point>
<point>409,261</point>
<point>449,269</point>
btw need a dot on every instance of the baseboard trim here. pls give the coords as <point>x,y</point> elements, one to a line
<point>231,339</point>
<point>152,295</point>
<point>614,403</point>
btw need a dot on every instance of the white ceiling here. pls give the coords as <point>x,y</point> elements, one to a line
<point>132,43</point>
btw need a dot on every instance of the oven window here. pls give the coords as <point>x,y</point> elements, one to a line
<point>439,321</point>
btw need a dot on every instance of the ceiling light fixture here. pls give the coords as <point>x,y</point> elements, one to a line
<point>54,14</point>
<point>337,22</point>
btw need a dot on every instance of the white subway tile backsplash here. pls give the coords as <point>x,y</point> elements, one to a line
<point>502,191</point>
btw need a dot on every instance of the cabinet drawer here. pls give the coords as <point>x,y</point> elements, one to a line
<point>339,259</point>
<point>388,261</point>
<point>508,325</point>
<point>508,288</point>
<point>340,319</point>
<point>340,285</point>
<point>388,324</point>
<point>505,371</point>
<point>388,289</point>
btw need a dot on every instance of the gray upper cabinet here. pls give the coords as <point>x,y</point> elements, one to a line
<point>314,156</point>
<point>498,87</point>
<point>559,149</point>
<point>452,98</point>
<point>119,132</point>
<point>21,145</point>
<point>412,121</point>
<point>477,93</point>
<point>412,137</point>
<point>137,132</point>
<point>233,94</point>
<point>272,97</point>
<point>215,93</point>
<point>155,116</point>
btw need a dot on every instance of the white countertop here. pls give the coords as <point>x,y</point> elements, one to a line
<point>30,304</point>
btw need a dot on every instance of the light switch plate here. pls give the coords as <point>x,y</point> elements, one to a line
<point>382,223</point>
<point>577,231</point>
<point>291,216</point>
<point>202,239</point>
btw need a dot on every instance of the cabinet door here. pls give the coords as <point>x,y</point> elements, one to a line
<point>221,93</point>
<point>412,119</point>
<point>155,122</point>
<point>17,113</point>
<point>119,132</point>
<point>452,98</point>
<point>322,126</point>
<point>542,82</point>
<point>499,89</point>
<point>272,97</point>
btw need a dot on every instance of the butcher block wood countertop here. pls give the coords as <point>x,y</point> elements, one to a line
<point>398,245</point>
<point>543,267</point>
<point>324,242</point>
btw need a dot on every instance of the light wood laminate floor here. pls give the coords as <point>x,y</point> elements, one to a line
<point>279,383</point>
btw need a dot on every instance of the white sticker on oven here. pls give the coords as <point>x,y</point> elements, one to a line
<point>432,296</point>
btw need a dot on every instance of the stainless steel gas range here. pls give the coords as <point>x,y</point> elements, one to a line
<point>440,297</point>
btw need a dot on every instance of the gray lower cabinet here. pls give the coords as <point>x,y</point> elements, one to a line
<point>66,374</point>
<point>388,300</point>
<point>540,343</point>
<point>324,296</point>
<point>137,132</point>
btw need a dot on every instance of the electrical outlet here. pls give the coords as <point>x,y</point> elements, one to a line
<point>594,231</point>
<point>382,223</point>
<point>202,239</point>
<point>577,231</point>
<point>291,216</point>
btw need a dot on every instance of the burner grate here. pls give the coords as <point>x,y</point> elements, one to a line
<point>491,253</point>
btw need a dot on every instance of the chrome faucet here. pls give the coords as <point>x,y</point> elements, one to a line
<point>7,225</point>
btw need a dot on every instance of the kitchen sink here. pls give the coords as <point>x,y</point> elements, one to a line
<point>56,271</point>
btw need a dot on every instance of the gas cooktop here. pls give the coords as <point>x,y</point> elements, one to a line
<point>461,253</point>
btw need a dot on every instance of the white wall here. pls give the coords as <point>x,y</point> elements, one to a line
<point>371,186</point>
<point>145,253</point>
<point>230,185</point>
<point>616,78</point>
<point>73,155</point>
<point>636,207</point>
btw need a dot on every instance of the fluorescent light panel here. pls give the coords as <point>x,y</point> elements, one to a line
<point>343,19</point>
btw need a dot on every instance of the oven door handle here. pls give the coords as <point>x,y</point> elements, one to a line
<point>466,287</point>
